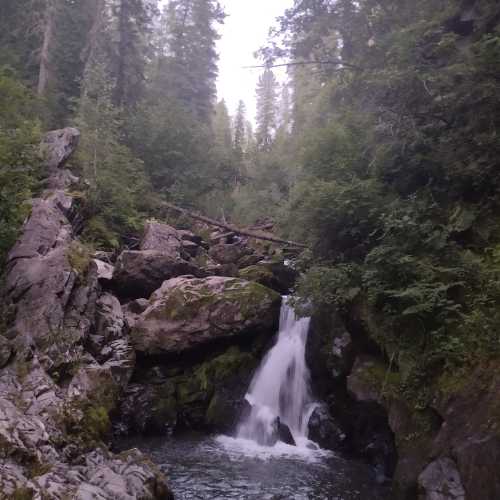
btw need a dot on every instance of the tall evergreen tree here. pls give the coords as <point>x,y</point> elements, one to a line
<point>132,49</point>
<point>239,131</point>
<point>222,126</point>
<point>267,95</point>
<point>190,63</point>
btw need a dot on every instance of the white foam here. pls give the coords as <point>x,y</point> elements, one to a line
<point>240,448</point>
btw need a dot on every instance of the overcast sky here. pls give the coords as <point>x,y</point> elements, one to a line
<point>244,31</point>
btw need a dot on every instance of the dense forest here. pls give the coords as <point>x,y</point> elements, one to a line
<point>380,153</point>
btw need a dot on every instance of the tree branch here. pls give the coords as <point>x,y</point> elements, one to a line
<point>336,62</point>
<point>231,228</point>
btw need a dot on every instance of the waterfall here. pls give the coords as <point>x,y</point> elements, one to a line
<point>280,387</point>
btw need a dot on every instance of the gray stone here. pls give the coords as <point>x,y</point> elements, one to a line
<point>441,481</point>
<point>162,238</point>
<point>186,313</point>
<point>58,145</point>
<point>5,351</point>
<point>104,270</point>
<point>139,273</point>
<point>228,253</point>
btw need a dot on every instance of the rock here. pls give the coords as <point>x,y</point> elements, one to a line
<point>441,481</point>
<point>110,321</point>
<point>330,350</point>
<point>58,145</point>
<point>361,383</point>
<point>477,460</point>
<point>6,351</point>
<point>148,409</point>
<point>139,273</point>
<point>162,238</point>
<point>188,313</point>
<point>324,430</point>
<point>104,270</point>
<point>128,476</point>
<point>228,253</point>
<point>194,238</point>
<point>190,248</point>
<point>283,433</point>
<point>274,275</point>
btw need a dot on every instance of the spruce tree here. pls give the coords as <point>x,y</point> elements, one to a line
<point>190,65</point>
<point>239,131</point>
<point>267,88</point>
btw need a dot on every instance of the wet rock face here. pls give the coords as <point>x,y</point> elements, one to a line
<point>324,430</point>
<point>208,396</point>
<point>186,313</point>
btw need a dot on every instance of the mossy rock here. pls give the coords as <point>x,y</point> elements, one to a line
<point>186,313</point>
<point>260,274</point>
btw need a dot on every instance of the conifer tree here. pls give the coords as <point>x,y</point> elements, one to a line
<point>190,66</point>
<point>267,88</point>
<point>239,131</point>
<point>131,51</point>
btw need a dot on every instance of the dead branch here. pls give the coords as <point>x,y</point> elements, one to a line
<point>231,228</point>
<point>335,62</point>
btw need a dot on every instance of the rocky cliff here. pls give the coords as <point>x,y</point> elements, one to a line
<point>159,338</point>
<point>437,439</point>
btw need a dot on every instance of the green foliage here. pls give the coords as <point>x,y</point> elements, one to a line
<point>19,133</point>
<point>397,187</point>
<point>119,194</point>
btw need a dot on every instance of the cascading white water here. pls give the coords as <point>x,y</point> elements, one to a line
<point>280,387</point>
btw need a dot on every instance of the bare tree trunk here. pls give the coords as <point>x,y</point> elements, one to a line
<point>123,21</point>
<point>44,74</point>
<point>231,228</point>
<point>93,34</point>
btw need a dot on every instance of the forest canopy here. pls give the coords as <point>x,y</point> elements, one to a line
<point>380,151</point>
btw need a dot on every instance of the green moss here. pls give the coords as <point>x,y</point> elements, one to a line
<point>184,303</point>
<point>216,411</point>
<point>96,422</point>
<point>258,273</point>
<point>22,494</point>
<point>233,363</point>
<point>79,257</point>
<point>39,469</point>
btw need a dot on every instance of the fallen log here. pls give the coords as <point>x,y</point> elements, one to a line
<point>231,228</point>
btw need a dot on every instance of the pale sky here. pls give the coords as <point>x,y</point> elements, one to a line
<point>245,30</point>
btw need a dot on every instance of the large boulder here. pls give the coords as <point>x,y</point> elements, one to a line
<point>224,253</point>
<point>58,145</point>
<point>324,430</point>
<point>162,238</point>
<point>139,273</point>
<point>441,481</point>
<point>274,275</point>
<point>56,148</point>
<point>187,313</point>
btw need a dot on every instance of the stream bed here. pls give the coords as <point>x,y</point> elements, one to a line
<point>202,468</point>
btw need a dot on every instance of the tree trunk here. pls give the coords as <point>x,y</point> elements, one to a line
<point>231,228</point>
<point>93,34</point>
<point>44,75</point>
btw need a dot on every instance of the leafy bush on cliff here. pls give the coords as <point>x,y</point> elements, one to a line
<point>19,137</point>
